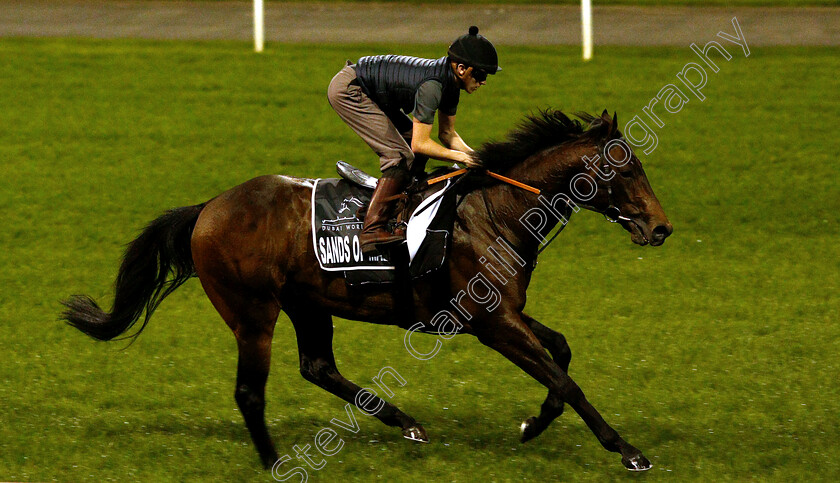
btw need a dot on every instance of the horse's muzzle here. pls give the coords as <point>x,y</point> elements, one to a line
<point>660,233</point>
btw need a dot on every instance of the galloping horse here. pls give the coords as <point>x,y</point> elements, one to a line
<point>252,249</point>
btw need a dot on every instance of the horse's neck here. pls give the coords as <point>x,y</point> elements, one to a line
<point>551,170</point>
<point>525,218</point>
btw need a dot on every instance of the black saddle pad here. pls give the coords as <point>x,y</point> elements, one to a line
<point>336,228</point>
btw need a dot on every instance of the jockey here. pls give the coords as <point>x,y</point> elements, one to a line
<point>375,95</point>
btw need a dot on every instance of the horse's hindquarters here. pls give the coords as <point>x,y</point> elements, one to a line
<point>252,235</point>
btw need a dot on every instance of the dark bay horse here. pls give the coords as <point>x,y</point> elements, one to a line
<point>251,247</point>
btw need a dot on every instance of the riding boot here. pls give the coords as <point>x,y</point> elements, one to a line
<point>375,231</point>
<point>418,167</point>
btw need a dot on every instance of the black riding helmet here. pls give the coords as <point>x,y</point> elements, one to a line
<point>476,51</point>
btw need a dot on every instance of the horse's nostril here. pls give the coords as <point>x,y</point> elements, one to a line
<point>661,232</point>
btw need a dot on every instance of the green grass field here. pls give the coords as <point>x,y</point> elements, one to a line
<point>716,354</point>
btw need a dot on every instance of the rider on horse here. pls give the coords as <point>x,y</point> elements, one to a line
<point>374,97</point>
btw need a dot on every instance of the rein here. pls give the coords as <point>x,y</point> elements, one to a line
<point>612,213</point>
<point>487,205</point>
<point>499,177</point>
<point>514,182</point>
<point>562,227</point>
<point>490,216</point>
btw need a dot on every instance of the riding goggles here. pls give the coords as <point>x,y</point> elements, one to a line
<point>479,75</point>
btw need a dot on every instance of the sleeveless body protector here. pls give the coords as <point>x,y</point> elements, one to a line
<point>391,81</point>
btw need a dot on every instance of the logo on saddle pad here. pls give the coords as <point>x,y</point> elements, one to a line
<point>347,219</point>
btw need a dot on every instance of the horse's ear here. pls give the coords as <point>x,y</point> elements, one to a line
<point>605,115</point>
<point>614,127</point>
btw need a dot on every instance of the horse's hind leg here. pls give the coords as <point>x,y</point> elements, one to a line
<point>562,355</point>
<point>317,365</point>
<point>251,375</point>
<point>252,322</point>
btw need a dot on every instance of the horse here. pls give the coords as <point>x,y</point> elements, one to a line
<point>252,250</point>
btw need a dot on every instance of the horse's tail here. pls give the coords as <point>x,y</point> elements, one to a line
<point>144,279</point>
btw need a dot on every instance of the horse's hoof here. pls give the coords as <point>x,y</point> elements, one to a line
<point>416,433</point>
<point>637,463</point>
<point>528,430</point>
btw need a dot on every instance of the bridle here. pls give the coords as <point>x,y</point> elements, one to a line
<point>611,213</point>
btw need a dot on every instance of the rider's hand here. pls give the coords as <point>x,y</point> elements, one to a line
<point>466,159</point>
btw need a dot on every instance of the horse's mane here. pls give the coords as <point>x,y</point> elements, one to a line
<point>537,132</point>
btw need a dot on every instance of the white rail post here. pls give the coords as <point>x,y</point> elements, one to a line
<point>586,26</point>
<point>259,26</point>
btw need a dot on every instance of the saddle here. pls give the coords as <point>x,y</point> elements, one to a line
<point>338,206</point>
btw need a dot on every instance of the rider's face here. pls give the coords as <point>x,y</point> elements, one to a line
<point>470,77</point>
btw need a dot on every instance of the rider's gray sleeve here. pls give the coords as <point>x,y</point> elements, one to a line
<point>427,101</point>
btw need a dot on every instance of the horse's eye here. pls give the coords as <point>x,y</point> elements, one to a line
<point>627,174</point>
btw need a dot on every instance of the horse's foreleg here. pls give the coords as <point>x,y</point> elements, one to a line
<point>317,365</point>
<point>551,340</point>
<point>562,355</point>
<point>514,340</point>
